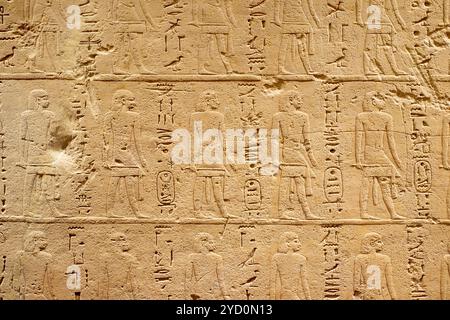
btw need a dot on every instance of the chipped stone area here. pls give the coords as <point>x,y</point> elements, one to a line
<point>111,111</point>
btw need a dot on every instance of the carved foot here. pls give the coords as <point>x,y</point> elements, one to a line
<point>120,71</point>
<point>205,71</point>
<point>284,71</point>
<point>60,215</point>
<point>397,217</point>
<point>231,216</point>
<point>313,217</point>
<point>285,216</point>
<point>144,70</point>
<point>30,214</point>
<point>399,72</point>
<point>114,216</point>
<point>368,217</point>
<point>36,70</point>
<point>204,215</point>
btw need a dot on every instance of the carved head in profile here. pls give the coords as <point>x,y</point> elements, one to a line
<point>35,240</point>
<point>289,242</point>
<point>374,101</point>
<point>372,242</point>
<point>204,242</point>
<point>123,99</point>
<point>120,242</point>
<point>290,101</point>
<point>38,100</point>
<point>209,101</point>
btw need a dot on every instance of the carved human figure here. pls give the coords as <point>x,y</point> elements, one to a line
<point>288,271</point>
<point>377,17</point>
<point>209,181</point>
<point>33,272</point>
<point>373,126</point>
<point>295,17</point>
<point>445,153</point>
<point>215,18</point>
<point>49,18</point>
<point>445,276</point>
<point>131,20</point>
<point>119,270</point>
<point>41,177</point>
<point>122,151</point>
<point>372,273</point>
<point>297,156</point>
<point>204,271</point>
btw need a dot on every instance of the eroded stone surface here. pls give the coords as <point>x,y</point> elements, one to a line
<point>95,203</point>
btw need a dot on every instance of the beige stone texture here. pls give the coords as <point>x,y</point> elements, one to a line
<point>95,205</point>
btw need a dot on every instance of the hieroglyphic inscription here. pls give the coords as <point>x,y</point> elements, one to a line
<point>348,100</point>
<point>77,272</point>
<point>250,262</point>
<point>416,236</point>
<point>164,257</point>
<point>333,261</point>
<point>333,182</point>
<point>258,21</point>
<point>421,155</point>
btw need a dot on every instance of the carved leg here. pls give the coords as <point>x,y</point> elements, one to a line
<point>389,52</point>
<point>49,191</point>
<point>130,187</point>
<point>388,49</point>
<point>302,49</point>
<point>137,56</point>
<point>364,198</point>
<point>199,191</point>
<point>28,192</point>
<point>284,49</point>
<point>50,48</point>
<point>284,201</point>
<point>300,185</point>
<point>113,186</point>
<point>222,43</point>
<point>122,55</point>
<point>204,55</point>
<point>370,55</point>
<point>385,184</point>
<point>217,185</point>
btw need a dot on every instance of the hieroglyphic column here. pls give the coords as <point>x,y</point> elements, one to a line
<point>421,153</point>
<point>332,262</point>
<point>416,237</point>
<point>333,178</point>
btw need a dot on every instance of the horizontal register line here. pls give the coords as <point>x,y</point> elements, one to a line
<point>219,221</point>
<point>217,77</point>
